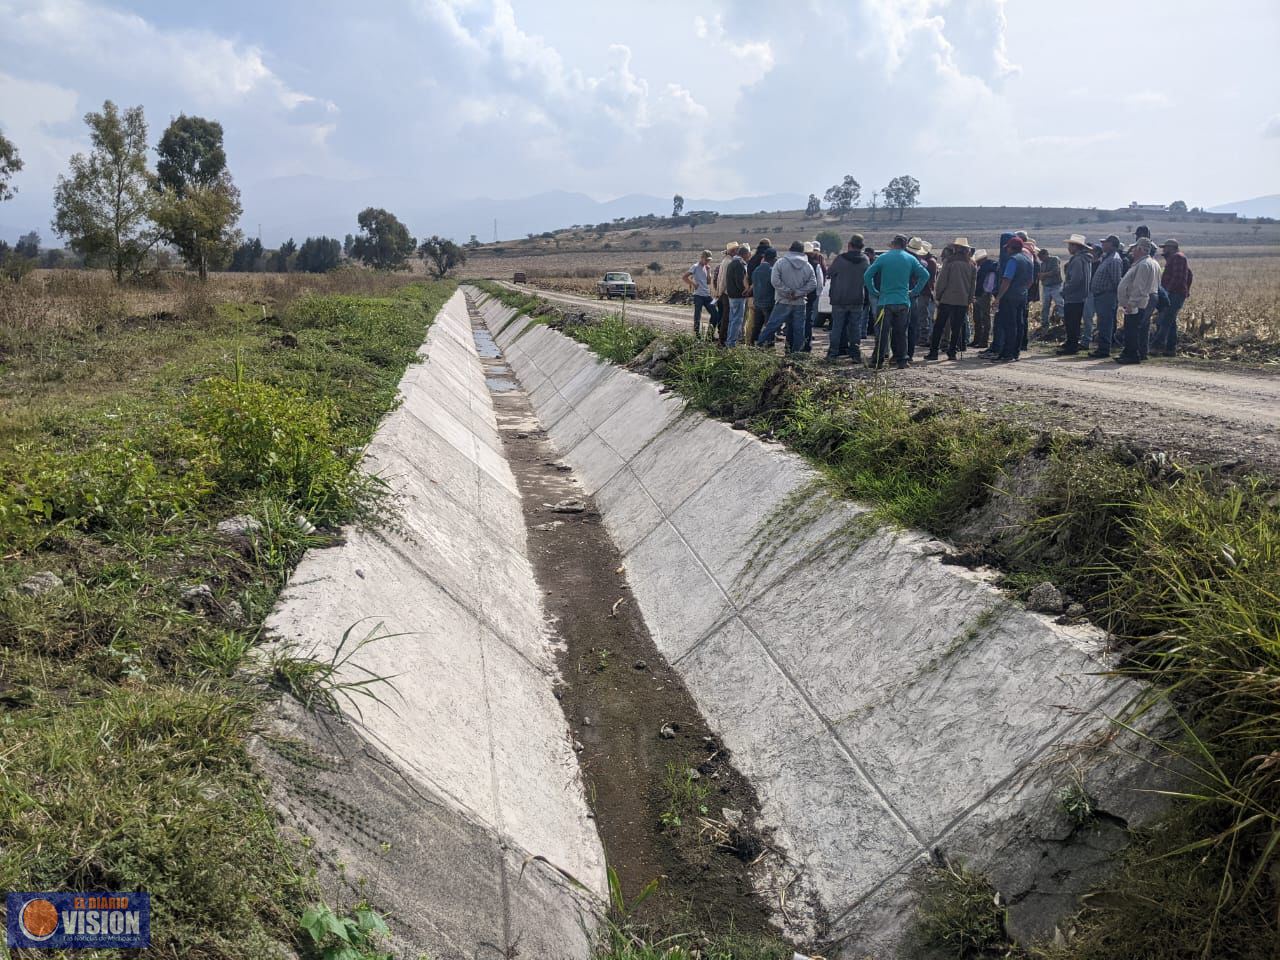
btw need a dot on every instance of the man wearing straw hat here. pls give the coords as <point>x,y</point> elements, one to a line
<point>1075,290</point>
<point>722,297</point>
<point>922,305</point>
<point>957,281</point>
<point>988,282</point>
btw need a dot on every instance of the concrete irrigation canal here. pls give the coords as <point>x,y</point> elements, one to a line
<point>591,590</point>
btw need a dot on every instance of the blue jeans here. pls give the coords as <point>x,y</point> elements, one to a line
<point>1166,337</point>
<point>921,328</point>
<point>737,316</point>
<point>810,313</point>
<point>1086,322</point>
<point>1048,297</point>
<point>1009,320</point>
<point>790,316</point>
<point>846,331</point>
<point>712,311</point>
<point>1106,305</point>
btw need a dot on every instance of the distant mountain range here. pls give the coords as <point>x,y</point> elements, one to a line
<point>1268,206</point>
<point>306,206</point>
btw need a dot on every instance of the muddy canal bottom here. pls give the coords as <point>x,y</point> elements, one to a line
<point>668,802</point>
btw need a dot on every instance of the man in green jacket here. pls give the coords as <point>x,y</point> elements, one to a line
<point>901,277</point>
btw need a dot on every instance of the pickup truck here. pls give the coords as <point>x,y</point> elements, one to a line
<point>616,284</point>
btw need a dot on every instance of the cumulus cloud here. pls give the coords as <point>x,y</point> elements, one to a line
<point>757,54</point>
<point>211,69</point>
<point>1147,98</point>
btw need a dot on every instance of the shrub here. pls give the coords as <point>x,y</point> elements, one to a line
<point>281,443</point>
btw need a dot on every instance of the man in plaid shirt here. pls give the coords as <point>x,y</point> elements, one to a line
<point>1177,284</point>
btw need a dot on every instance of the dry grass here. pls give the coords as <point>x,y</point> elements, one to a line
<point>75,300</point>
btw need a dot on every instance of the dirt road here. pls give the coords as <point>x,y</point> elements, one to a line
<point>1203,412</point>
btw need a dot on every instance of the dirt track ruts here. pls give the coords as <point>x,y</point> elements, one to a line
<point>1205,412</point>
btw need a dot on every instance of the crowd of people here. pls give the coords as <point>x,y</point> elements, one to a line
<point>905,298</point>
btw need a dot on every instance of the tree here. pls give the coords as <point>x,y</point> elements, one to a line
<point>104,206</point>
<point>813,207</point>
<point>199,204</point>
<point>347,243</point>
<point>442,254</point>
<point>829,241</point>
<point>28,246</point>
<point>677,205</point>
<point>1178,206</point>
<point>384,242</point>
<point>844,196</point>
<point>10,163</point>
<point>247,257</point>
<point>281,261</point>
<point>319,254</point>
<point>474,242</point>
<point>902,192</point>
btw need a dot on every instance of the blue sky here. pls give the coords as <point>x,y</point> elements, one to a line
<point>425,102</point>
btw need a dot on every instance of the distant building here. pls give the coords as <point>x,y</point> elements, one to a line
<point>1154,207</point>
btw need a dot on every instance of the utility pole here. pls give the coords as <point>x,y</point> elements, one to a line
<point>495,229</point>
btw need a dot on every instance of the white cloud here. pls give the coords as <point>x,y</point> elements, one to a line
<point>1146,98</point>
<point>754,53</point>
<point>212,70</point>
<point>34,113</point>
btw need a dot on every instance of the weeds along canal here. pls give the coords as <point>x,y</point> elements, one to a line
<point>670,806</point>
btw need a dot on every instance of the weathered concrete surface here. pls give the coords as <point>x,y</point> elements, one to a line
<point>884,705</point>
<point>468,772</point>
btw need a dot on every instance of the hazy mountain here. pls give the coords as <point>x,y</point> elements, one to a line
<point>1268,206</point>
<point>310,206</point>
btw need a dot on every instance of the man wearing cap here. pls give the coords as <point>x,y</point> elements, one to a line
<point>737,285</point>
<point>762,295</point>
<point>1011,301</point>
<point>698,279</point>
<point>1075,289</point>
<point>848,294</point>
<point>1137,295</point>
<point>900,276</point>
<point>1103,285</point>
<point>793,280</point>
<point>1176,281</point>
<point>1049,273</point>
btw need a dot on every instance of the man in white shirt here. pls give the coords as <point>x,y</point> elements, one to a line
<point>698,279</point>
<point>1138,296</point>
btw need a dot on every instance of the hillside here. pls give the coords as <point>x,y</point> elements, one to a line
<point>1268,206</point>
